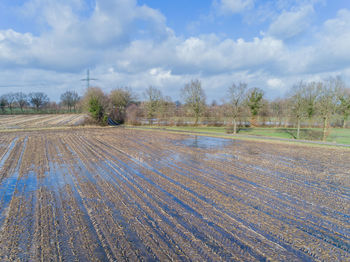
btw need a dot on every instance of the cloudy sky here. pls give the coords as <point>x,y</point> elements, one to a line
<point>47,45</point>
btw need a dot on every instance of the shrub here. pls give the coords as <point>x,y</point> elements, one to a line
<point>97,111</point>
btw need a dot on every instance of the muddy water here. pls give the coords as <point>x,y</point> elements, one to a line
<point>204,142</point>
<point>135,195</point>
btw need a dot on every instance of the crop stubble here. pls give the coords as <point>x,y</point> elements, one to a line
<point>40,121</point>
<point>115,195</point>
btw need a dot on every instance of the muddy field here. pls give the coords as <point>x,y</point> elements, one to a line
<point>114,195</point>
<point>40,121</point>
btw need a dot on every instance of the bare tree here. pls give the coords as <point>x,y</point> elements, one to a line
<point>166,108</point>
<point>310,93</point>
<point>215,113</point>
<point>194,98</point>
<point>3,104</point>
<point>344,107</point>
<point>132,113</point>
<point>254,101</point>
<point>236,96</point>
<point>53,107</point>
<point>327,101</point>
<point>153,98</point>
<point>38,99</point>
<point>299,103</point>
<point>21,99</point>
<point>120,99</point>
<point>11,99</point>
<point>91,92</point>
<point>264,111</point>
<point>70,99</point>
<point>279,111</point>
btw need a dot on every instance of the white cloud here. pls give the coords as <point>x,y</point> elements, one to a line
<point>275,84</point>
<point>291,23</point>
<point>213,55</point>
<point>127,44</point>
<point>336,36</point>
<point>233,6</point>
<point>330,49</point>
<point>72,42</point>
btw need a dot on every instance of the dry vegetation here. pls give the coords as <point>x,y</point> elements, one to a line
<point>40,121</point>
<point>114,195</point>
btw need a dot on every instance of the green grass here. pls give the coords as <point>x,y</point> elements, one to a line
<point>340,135</point>
<point>337,135</point>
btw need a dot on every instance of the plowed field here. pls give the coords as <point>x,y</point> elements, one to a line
<point>115,195</point>
<point>40,121</point>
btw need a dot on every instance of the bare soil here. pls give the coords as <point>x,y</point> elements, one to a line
<point>40,121</point>
<point>127,195</point>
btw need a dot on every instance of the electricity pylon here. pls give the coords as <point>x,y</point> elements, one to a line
<point>88,79</point>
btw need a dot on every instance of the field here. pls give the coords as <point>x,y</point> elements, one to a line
<point>336,135</point>
<point>40,121</point>
<point>112,194</point>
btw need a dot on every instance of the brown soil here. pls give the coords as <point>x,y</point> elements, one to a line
<point>40,121</point>
<point>113,195</point>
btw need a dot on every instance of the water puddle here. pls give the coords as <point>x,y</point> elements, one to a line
<point>222,157</point>
<point>10,148</point>
<point>8,186</point>
<point>204,142</point>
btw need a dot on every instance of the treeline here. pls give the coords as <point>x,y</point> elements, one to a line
<point>38,102</point>
<point>315,104</point>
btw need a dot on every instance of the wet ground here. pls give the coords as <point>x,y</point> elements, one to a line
<point>115,195</point>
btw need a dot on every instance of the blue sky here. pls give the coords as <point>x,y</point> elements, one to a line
<point>48,45</point>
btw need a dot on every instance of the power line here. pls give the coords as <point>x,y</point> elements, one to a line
<point>88,79</point>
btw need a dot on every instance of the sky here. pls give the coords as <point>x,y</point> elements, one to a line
<point>48,45</point>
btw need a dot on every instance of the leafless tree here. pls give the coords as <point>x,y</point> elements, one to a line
<point>264,111</point>
<point>236,96</point>
<point>328,100</point>
<point>310,93</point>
<point>3,103</point>
<point>215,113</point>
<point>132,113</point>
<point>93,92</point>
<point>166,109</point>
<point>153,98</point>
<point>21,99</point>
<point>70,99</point>
<point>120,99</point>
<point>300,104</point>
<point>38,99</point>
<point>194,98</point>
<point>279,111</point>
<point>11,99</point>
<point>344,107</point>
<point>53,107</point>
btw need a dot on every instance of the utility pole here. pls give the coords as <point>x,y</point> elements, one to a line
<point>88,79</point>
